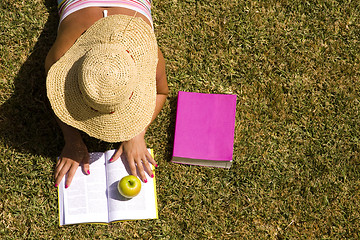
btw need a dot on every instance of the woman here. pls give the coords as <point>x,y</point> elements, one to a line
<point>106,77</point>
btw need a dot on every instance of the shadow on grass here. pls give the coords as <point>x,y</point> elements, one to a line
<point>171,128</point>
<point>26,122</point>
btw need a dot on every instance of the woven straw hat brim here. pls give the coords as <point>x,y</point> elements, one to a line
<point>130,33</point>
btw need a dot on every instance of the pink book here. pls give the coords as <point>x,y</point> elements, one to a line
<point>204,129</point>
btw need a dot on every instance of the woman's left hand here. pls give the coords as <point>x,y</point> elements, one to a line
<point>137,156</point>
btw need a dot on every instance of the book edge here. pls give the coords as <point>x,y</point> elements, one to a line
<point>180,93</point>
<point>60,218</point>
<point>202,162</point>
<point>155,192</point>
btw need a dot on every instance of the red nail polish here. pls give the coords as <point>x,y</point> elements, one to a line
<point>88,172</point>
<point>56,185</point>
<point>111,159</point>
<point>145,180</point>
<point>152,175</point>
<point>156,165</point>
<point>66,186</point>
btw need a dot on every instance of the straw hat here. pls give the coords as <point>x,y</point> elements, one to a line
<point>105,83</point>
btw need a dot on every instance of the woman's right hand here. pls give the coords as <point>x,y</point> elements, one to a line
<point>72,155</point>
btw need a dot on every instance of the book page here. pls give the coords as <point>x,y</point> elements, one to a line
<point>85,200</point>
<point>143,206</point>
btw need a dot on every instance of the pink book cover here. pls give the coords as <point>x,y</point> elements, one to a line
<point>204,129</point>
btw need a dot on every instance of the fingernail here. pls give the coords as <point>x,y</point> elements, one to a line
<point>66,186</point>
<point>156,165</point>
<point>111,159</point>
<point>88,172</point>
<point>56,185</point>
<point>152,175</point>
<point>145,180</point>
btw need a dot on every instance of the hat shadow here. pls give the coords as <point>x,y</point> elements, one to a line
<point>26,120</point>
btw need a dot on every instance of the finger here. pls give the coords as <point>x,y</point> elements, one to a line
<point>61,173</point>
<point>151,159</point>
<point>132,166</point>
<point>117,154</point>
<point>58,162</point>
<point>139,164</point>
<point>86,166</point>
<point>71,174</point>
<point>60,165</point>
<point>148,168</point>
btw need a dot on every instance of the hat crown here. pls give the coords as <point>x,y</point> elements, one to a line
<point>107,78</point>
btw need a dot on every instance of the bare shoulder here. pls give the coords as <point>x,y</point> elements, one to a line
<point>74,25</point>
<point>70,29</point>
<point>62,43</point>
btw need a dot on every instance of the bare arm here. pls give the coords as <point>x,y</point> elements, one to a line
<point>74,152</point>
<point>162,88</point>
<point>135,149</point>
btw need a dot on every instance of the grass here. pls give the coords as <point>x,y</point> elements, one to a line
<point>294,66</point>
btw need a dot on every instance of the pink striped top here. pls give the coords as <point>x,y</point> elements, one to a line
<point>66,7</point>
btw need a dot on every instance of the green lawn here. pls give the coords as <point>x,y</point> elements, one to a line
<point>294,66</point>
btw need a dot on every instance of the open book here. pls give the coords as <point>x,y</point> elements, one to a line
<point>94,198</point>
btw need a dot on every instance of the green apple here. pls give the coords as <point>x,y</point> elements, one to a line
<point>129,186</point>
